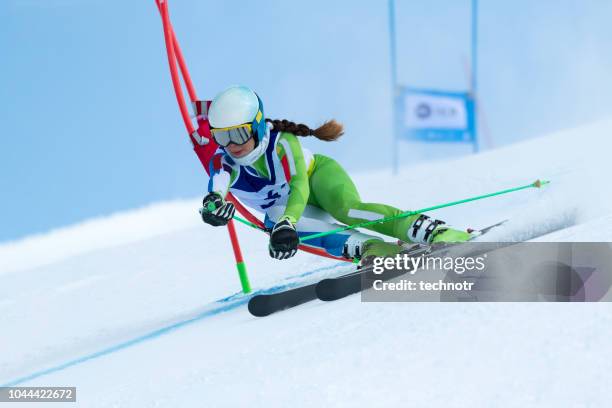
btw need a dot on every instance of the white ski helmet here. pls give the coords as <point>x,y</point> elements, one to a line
<point>238,105</point>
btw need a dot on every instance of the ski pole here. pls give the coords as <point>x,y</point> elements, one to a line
<point>535,184</point>
<point>212,207</point>
<point>249,223</point>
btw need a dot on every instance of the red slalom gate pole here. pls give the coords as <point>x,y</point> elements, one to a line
<point>175,54</point>
<point>176,82</point>
<point>179,57</point>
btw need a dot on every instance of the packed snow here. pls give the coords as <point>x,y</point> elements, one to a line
<point>142,308</point>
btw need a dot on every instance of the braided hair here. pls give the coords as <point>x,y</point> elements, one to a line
<point>328,131</point>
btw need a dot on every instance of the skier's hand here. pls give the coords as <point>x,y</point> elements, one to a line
<point>216,211</point>
<point>283,240</point>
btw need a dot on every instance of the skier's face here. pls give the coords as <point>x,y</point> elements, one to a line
<point>241,150</point>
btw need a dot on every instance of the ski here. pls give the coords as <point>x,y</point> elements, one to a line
<point>484,230</point>
<point>266,304</point>
<point>330,289</point>
<point>337,288</point>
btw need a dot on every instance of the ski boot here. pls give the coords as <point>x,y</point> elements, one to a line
<point>380,248</point>
<point>425,230</point>
<point>360,246</point>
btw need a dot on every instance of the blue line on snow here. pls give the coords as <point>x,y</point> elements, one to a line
<point>225,304</point>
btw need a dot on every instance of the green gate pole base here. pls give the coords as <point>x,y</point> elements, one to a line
<point>244,279</point>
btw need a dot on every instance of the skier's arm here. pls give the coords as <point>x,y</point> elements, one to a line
<point>221,175</point>
<point>289,147</point>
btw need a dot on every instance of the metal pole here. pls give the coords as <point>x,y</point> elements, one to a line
<point>394,145</point>
<point>475,71</point>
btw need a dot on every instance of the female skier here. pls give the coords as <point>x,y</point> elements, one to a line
<point>261,162</point>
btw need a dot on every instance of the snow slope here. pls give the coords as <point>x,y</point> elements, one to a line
<point>136,309</point>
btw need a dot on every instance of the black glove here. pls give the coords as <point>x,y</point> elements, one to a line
<point>283,240</point>
<point>216,211</point>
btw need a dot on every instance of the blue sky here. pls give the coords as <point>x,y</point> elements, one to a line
<point>90,125</point>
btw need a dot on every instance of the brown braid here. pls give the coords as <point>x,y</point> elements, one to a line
<point>328,131</point>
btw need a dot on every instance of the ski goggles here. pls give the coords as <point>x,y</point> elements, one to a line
<point>238,135</point>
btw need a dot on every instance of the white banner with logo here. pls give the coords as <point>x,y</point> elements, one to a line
<point>435,116</point>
